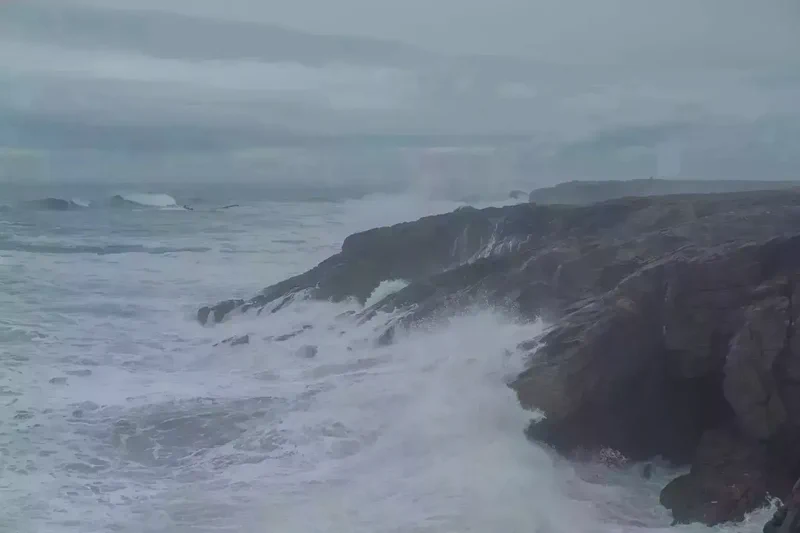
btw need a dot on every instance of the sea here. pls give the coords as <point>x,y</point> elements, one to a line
<point>119,412</point>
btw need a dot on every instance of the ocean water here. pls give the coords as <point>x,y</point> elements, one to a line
<point>119,414</point>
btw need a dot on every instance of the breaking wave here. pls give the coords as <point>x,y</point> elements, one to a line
<point>134,200</point>
<point>55,204</point>
<point>81,203</point>
<point>144,200</point>
<point>386,288</point>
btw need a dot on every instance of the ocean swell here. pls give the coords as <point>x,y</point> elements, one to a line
<point>130,200</point>
<point>55,204</point>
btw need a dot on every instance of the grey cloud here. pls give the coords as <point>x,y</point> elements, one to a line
<point>734,150</point>
<point>73,131</point>
<point>587,88</point>
<point>677,32</point>
<point>170,35</point>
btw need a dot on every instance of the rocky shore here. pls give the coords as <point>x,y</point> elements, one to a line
<point>588,192</point>
<point>673,325</point>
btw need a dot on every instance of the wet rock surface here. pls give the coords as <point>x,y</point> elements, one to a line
<point>728,478</point>
<point>673,325</point>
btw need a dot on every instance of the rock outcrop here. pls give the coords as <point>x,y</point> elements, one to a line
<point>673,325</point>
<point>589,192</point>
<point>729,477</point>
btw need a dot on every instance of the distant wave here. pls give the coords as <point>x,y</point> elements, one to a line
<point>81,203</point>
<point>55,204</point>
<point>110,249</point>
<point>133,200</point>
<point>143,200</point>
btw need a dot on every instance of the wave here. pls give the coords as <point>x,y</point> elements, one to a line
<point>81,203</point>
<point>385,289</point>
<point>159,200</point>
<point>55,204</point>
<point>109,249</point>
<point>423,433</point>
<point>133,200</point>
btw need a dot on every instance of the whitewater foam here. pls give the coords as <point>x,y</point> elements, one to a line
<point>384,289</point>
<point>81,203</point>
<point>141,200</point>
<point>147,199</point>
<point>421,436</point>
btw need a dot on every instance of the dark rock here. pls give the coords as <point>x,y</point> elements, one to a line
<point>308,351</point>
<point>80,373</point>
<point>728,479</point>
<point>387,337</point>
<point>588,192</point>
<point>750,385</point>
<point>777,520</point>
<point>605,380</point>
<point>439,242</point>
<point>244,339</point>
<point>235,341</point>
<point>787,518</point>
<point>51,204</point>
<point>287,336</point>
<point>217,312</point>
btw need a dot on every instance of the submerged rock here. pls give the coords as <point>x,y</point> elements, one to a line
<point>51,204</point>
<point>787,518</point>
<point>217,312</point>
<point>387,337</point>
<point>307,351</point>
<point>84,372</point>
<point>728,479</point>
<point>673,325</point>
<point>236,340</point>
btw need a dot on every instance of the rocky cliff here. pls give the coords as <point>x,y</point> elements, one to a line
<point>672,333</point>
<point>588,192</point>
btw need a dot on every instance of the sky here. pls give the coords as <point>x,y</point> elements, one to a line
<point>727,32</point>
<point>594,88</point>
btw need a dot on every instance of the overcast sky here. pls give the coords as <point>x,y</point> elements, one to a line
<point>186,76</point>
<point>728,32</point>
